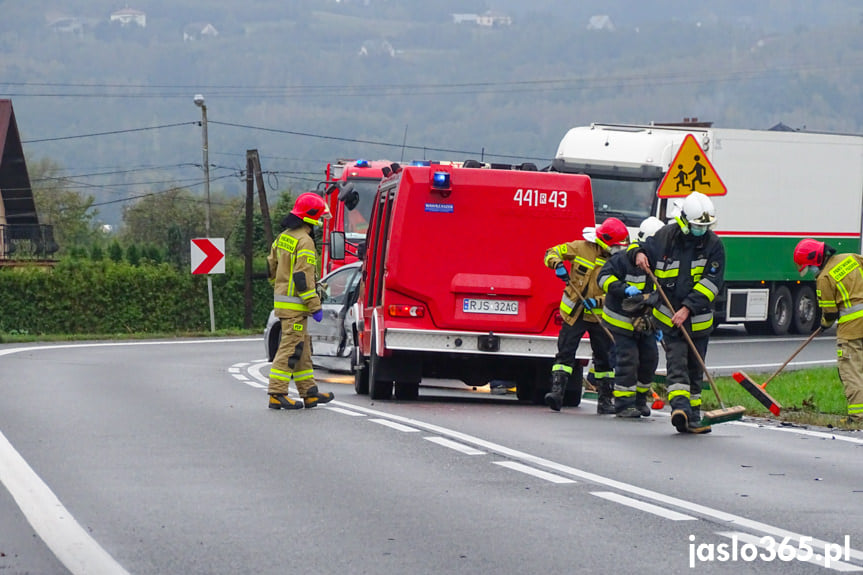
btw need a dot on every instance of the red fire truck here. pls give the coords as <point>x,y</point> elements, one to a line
<point>453,282</point>
<point>350,188</point>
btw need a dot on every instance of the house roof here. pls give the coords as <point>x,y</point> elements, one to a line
<point>15,190</point>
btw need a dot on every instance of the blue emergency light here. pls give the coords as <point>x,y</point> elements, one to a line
<point>441,180</point>
<point>362,164</point>
<point>421,163</point>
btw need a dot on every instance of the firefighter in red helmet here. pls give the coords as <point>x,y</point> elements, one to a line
<point>839,288</point>
<point>292,263</point>
<point>581,308</point>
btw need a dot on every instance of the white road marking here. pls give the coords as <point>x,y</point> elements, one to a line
<point>345,411</point>
<point>533,460</point>
<point>460,447</point>
<point>515,465</point>
<point>72,545</point>
<point>815,559</point>
<point>649,507</point>
<point>395,425</point>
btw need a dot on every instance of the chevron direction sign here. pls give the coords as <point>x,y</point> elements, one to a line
<point>208,255</point>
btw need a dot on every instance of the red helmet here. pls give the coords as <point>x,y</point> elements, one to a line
<point>808,252</point>
<point>612,232</point>
<point>311,208</point>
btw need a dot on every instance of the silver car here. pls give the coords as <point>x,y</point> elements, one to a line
<point>333,336</point>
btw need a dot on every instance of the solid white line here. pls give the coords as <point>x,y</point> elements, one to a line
<point>55,525</point>
<point>395,425</point>
<point>344,411</point>
<point>815,559</point>
<point>649,507</point>
<point>460,447</point>
<point>515,465</point>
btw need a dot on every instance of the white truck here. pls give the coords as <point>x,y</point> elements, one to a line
<point>781,186</point>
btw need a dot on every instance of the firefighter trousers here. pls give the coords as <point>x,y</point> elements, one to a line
<point>567,346</point>
<point>293,359</point>
<point>637,358</point>
<point>850,363</point>
<point>684,374</point>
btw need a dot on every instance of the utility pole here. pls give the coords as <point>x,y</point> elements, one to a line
<point>199,101</point>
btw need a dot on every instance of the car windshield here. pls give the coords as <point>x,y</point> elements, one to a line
<point>629,200</point>
<point>357,219</point>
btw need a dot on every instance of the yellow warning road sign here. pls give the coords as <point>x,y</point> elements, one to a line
<point>690,171</point>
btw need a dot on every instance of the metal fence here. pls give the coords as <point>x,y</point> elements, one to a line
<point>27,242</point>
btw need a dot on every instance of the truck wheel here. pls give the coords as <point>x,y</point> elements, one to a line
<point>378,389</point>
<point>780,310</point>
<point>806,312</point>
<point>361,372</point>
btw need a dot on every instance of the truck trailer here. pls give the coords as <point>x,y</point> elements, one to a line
<point>781,186</point>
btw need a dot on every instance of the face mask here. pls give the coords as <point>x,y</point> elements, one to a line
<point>697,231</point>
<point>809,269</point>
<point>614,249</point>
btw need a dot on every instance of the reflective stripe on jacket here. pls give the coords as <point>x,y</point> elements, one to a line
<point>615,276</point>
<point>839,288</point>
<point>293,260</point>
<point>691,272</point>
<point>586,258</point>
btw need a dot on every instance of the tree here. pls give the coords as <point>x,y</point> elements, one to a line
<point>70,213</point>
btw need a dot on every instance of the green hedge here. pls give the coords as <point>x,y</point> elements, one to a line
<point>107,297</point>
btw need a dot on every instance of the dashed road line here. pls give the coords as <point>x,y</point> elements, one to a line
<point>643,506</point>
<point>460,447</point>
<point>395,425</point>
<point>516,466</point>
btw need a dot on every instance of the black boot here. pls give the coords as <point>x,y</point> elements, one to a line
<point>641,403</point>
<point>695,425</point>
<point>605,397</point>
<point>554,399</point>
<point>314,397</point>
<point>681,414</point>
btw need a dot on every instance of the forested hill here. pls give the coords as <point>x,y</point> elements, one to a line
<point>306,82</point>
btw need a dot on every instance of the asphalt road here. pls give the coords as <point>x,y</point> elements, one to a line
<point>161,457</point>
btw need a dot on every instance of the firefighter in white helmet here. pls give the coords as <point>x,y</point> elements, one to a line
<point>626,314</point>
<point>292,265</point>
<point>581,307</point>
<point>688,259</point>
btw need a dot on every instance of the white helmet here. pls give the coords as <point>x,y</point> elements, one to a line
<point>649,227</point>
<point>697,213</point>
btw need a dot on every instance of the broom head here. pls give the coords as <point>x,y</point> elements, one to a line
<point>722,415</point>
<point>758,392</point>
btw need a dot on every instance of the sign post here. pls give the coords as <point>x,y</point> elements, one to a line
<point>208,257</point>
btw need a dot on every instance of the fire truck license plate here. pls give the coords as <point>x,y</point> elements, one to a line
<point>493,306</point>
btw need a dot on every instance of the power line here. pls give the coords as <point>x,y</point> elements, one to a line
<point>111,133</point>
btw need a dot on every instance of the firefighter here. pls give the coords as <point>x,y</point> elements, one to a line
<point>688,259</point>
<point>633,329</point>
<point>839,287</point>
<point>292,265</point>
<point>581,307</point>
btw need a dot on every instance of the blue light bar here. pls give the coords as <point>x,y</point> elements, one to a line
<point>441,180</point>
<point>421,163</point>
<point>362,164</point>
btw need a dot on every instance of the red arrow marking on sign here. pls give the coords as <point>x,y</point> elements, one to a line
<point>212,256</point>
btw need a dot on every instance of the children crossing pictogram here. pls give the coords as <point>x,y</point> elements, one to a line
<point>690,171</point>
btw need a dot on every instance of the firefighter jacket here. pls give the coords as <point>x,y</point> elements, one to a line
<point>587,258</point>
<point>615,276</point>
<point>839,287</point>
<point>292,265</point>
<point>690,270</point>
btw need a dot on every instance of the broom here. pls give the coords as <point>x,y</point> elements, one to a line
<point>716,415</point>
<point>758,391</point>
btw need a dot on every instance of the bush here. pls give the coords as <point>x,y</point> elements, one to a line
<point>80,296</point>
